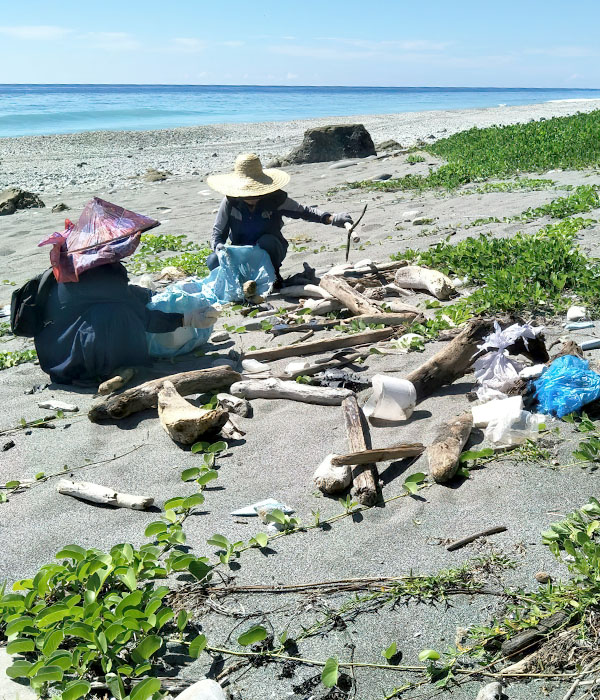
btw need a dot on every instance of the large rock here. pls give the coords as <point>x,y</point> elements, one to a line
<point>332,143</point>
<point>15,198</point>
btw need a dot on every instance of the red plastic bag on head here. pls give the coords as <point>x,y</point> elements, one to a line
<point>105,233</point>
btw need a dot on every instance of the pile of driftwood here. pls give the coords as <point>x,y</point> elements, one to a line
<point>359,292</point>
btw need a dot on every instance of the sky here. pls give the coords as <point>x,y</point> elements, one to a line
<point>328,42</point>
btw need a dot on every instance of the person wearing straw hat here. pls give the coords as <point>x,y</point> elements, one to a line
<point>253,208</point>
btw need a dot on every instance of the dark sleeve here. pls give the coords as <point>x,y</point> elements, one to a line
<point>162,322</point>
<point>220,230</point>
<point>294,210</point>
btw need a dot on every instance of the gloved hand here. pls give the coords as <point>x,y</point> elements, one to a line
<point>219,246</point>
<point>341,219</point>
<point>204,317</point>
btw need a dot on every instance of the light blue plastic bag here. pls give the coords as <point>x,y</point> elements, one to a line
<point>566,386</point>
<point>237,264</point>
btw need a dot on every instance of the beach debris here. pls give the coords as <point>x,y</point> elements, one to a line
<point>566,386</point>
<point>336,377</point>
<point>393,399</point>
<point>53,405</point>
<point>322,307</point>
<point>183,421</point>
<point>274,388</point>
<point>304,291</point>
<point>491,691</point>
<point>403,450</point>
<point>303,368</point>
<point>87,491</point>
<point>206,689</point>
<point>15,198</point>
<point>349,297</point>
<point>531,638</point>
<point>542,577</point>
<point>451,362</point>
<point>8,445</point>
<point>154,175</point>
<point>590,345</point>
<point>457,544</point>
<point>444,452</point>
<point>121,377</point>
<point>234,404</point>
<point>382,177</point>
<point>57,208</point>
<point>577,313</point>
<point>350,227</point>
<point>409,215</point>
<point>220,361</point>
<point>325,143</point>
<point>249,289</point>
<point>252,509</point>
<point>331,479</point>
<point>364,476</point>
<point>230,430</point>
<point>511,429</point>
<point>36,389</point>
<point>579,325</point>
<point>145,395</point>
<point>490,411</point>
<point>434,282</point>
<point>343,164</point>
<point>255,367</point>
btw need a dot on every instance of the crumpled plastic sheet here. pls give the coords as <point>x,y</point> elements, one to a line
<point>514,428</point>
<point>237,264</point>
<point>104,233</point>
<point>566,386</point>
<point>496,370</point>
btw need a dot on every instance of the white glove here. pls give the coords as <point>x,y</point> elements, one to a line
<point>203,317</point>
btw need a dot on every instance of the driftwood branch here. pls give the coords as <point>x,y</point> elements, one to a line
<point>184,422</point>
<point>87,491</point>
<point>471,538</point>
<point>145,396</point>
<point>415,277</point>
<point>322,366</point>
<point>444,453</point>
<point>273,388</point>
<point>120,378</point>
<point>349,297</point>
<point>364,476</point>
<point>381,454</point>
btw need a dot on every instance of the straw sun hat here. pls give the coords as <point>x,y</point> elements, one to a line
<point>248,178</point>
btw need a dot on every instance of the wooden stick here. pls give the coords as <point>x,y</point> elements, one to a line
<point>278,389</point>
<point>381,454</point>
<point>322,366</point>
<point>364,476</point>
<point>305,291</point>
<point>471,538</point>
<point>387,319</point>
<point>451,362</point>
<point>444,453</point>
<point>350,298</point>
<point>145,395</point>
<point>183,422</point>
<point>87,491</point>
<point>120,378</point>
<point>316,346</point>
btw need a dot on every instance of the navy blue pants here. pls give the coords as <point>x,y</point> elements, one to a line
<point>274,246</point>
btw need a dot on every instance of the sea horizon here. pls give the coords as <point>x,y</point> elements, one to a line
<point>28,109</point>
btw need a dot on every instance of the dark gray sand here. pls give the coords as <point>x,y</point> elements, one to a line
<point>285,442</point>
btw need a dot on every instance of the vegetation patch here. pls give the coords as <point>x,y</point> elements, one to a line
<point>192,260</point>
<point>17,357</point>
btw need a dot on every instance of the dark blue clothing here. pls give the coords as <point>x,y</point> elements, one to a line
<point>272,244</point>
<point>94,326</point>
<point>244,226</point>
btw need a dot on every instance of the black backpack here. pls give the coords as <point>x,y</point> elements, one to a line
<point>27,305</point>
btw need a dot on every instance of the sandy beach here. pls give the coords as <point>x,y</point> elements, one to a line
<point>285,441</point>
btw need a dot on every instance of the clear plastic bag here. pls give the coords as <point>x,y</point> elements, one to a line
<point>566,386</point>
<point>514,428</point>
<point>239,264</point>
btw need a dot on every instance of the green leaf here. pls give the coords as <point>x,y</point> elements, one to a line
<point>208,476</point>
<point>217,447</point>
<point>76,689</point>
<point>145,689</point>
<point>163,616</point>
<point>62,658</point>
<point>154,528</point>
<point>390,652</point>
<point>146,648</point>
<point>19,669</point>
<point>197,646</point>
<point>71,551</point>
<point>53,639</point>
<point>12,484</point>
<point>20,645</point>
<point>129,579</point>
<point>261,539</point>
<point>116,687</point>
<point>219,541</point>
<point>200,447</point>
<point>428,655</point>
<point>329,675</point>
<point>79,629</point>
<point>188,474</point>
<point>195,499</point>
<point>48,674</point>
<point>471,455</point>
<point>199,569</point>
<point>40,475</point>
<point>253,635</point>
<point>411,483</point>
<point>182,619</point>
<point>173,502</point>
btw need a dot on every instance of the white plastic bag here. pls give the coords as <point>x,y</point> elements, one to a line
<point>510,429</point>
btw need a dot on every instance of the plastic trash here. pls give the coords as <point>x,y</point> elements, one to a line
<point>579,325</point>
<point>296,366</point>
<point>239,264</point>
<point>532,372</point>
<point>514,429</point>
<point>252,510</point>
<point>58,406</point>
<point>566,386</point>
<point>490,411</point>
<point>577,313</point>
<point>590,345</point>
<point>393,399</point>
<point>255,367</point>
<point>104,233</point>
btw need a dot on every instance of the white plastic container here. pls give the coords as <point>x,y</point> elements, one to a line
<point>393,399</point>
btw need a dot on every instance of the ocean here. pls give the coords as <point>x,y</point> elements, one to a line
<point>61,109</point>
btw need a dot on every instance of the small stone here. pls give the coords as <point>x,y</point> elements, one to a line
<point>382,177</point>
<point>389,145</point>
<point>8,445</point>
<point>205,689</point>
<point>15,198</point>
<point>543,577</point>
<point>491,691</point>
<point>410,215</point>
<point>221,337</point>
<point>61,206</point>
<point>577,313</point>
<point>154,175</point>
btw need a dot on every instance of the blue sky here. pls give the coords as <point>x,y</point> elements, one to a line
<point>329,42</point>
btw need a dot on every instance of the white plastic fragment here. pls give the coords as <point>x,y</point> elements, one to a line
<point>52,405</point>
<point>254,366</point>
<point>590,345</point>
<point>577,313</point>
<point>532,372</point>
<point>509,430</point>
<point>410,215</point>
<point>493,410</point>
<point>579,325</point>
<point>392,399</point>
<point>252,510</point>
<point>296,366</point>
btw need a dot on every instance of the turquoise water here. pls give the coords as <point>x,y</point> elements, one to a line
<point>60,109</point>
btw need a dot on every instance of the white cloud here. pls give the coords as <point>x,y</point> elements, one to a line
<point>564,52</point>
<point>291,76</point>
<point>39,32</point>
<point>188,44</point>
<point>111,41</point>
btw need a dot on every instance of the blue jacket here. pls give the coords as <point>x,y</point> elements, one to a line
<point>244,227</point>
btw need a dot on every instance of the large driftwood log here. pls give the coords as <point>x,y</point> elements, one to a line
<point>278,389</point>
<point>364,476</point>
<point>349,297</point>
<point>451,362</point>
<point>316,346</point>
<point>138,398</point>
<point>380,454</point>
<point>415,277</point>
<point>443,454</point>
<point>87,491</point>
<point>184,422</point>
<point>322,307</point>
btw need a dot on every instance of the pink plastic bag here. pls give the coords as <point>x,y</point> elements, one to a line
<point>105,233</point>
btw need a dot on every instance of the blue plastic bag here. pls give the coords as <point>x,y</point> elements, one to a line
<point>566,386</point>
<point>239,264</point>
